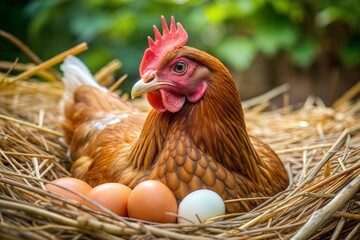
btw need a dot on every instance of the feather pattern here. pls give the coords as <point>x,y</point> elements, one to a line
<point>203,145</point>
<point>76,74</point>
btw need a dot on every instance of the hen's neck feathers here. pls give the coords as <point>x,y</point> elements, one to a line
<point>219,121</point>
<point>215,123</point>
<point>151,139</point>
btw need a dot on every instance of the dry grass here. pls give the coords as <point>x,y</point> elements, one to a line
<point>320,147</point>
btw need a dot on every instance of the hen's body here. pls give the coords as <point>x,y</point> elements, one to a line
<point>203,145</point>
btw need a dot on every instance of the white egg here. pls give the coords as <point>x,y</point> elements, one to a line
<point>200,205</point>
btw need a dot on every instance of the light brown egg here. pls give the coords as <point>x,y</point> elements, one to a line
<point>113,196</point>
<point>73,184</point>
<point>151,201</point>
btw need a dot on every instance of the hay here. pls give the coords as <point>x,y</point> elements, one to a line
<point>320,147</point>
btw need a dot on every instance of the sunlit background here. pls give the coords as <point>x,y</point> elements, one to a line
<point>313,45</point>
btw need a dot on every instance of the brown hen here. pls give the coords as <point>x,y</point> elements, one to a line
<point>194,138</point>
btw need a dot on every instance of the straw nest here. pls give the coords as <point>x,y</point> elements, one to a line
<point>319,145</point>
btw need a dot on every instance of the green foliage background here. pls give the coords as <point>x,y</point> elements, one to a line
<point>234,31</point>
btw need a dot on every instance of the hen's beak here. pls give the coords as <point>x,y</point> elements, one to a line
<point>142,87</point>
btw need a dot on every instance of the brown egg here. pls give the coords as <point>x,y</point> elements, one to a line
<point>113,196</point>
<point>151,201</point>
<point>73,184</point>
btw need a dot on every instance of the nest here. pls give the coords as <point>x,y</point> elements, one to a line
<point>319,145</point>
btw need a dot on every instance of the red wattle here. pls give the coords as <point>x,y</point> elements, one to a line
<point>155,101</point>
<point>163,101</point>
<point>173,103</point>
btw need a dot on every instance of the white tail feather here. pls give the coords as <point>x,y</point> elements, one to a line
<point>75,74</point>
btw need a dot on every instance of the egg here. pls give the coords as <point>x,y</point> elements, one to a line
<point>151,201</point>
<point>200,205</point>
<point>73,184</point>
<point>113,196</point>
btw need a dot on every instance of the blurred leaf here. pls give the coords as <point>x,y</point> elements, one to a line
<point>281,6</point>
<point>246,8</point>
<point>216,13</point>
<point>92,58</point>
<point>212,35</point>
<point>235,30</point>
<point>303,52</point>
<point>271,37</point>
<point>123,26</point>
<point>237,52</point>
<point>293,9</point>
<point>44,11</point>
<point>88,25</point>
<point>329,15</point>
<point>273,32</point>
<point>351,52</point>
<point>221,10</point>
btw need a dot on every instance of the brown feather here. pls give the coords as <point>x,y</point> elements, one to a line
<point>204,145</point>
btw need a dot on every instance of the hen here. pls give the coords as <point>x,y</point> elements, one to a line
<point>194,137</point>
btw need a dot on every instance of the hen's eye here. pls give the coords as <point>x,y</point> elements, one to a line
<point>180,67</point>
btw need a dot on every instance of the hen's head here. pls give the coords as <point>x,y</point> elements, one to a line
<point>172,74</point>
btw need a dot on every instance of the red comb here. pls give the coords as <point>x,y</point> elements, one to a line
<point>172,38</point>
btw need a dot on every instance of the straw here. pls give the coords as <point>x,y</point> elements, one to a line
<point>319,145</point>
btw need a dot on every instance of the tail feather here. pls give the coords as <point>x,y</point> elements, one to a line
<point>76,74</point>
<point>84,98</point>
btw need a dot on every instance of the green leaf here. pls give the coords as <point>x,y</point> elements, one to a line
<point>98,21</point>
<point>238,52</point>
<point>329,15</point>
<point>351,52</point>
<point>281,6</point>
<point>274,33</point>
<point>43,12</point>
<point>216,13</point>
<point>221,10</point>
<point>246,8</point>
<point>303,53</point>
<point>123,25</point>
